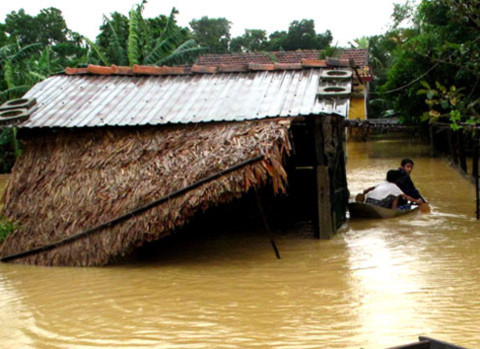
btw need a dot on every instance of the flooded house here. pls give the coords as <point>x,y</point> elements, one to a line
<point>117,157</point>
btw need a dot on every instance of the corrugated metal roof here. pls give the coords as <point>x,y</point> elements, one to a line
<point>93,100</point>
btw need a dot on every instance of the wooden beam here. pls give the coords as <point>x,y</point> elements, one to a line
<point>323,225</point>
<point>323,221</point>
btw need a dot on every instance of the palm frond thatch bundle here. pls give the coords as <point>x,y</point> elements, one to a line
<point>65,184</point>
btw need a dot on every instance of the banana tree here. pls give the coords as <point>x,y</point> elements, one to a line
<point>136,40</point>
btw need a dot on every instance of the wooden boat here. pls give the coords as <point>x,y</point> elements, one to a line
<point>428,343</point>
<point>363,210</point>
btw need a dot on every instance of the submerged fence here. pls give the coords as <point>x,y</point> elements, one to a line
<point>460,146</point>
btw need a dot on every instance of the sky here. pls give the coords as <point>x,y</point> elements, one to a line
<point>346,19</point>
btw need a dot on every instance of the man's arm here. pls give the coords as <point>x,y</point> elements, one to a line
<point>368,190</point>
<point>418,201</point>
<point>407,186</point>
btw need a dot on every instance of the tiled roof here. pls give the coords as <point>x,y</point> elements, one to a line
<point>258,57</point>
<point>359,57</point>
<point>145,95</point>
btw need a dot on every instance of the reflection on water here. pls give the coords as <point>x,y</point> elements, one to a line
<point>377,283</point>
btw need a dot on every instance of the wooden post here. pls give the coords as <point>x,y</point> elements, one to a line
<point>475,158</point>
<point>461,150</point>
<point>475,170</point>
<point>431,139</point>
<point>324,223</point>
<point>323,214</point>
<point>452,146</point>
<point>477,186</point>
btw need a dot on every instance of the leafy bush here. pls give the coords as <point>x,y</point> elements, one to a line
<point>6,228</point>
<point>9,148</point>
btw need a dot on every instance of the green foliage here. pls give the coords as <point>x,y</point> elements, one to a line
<point>403,13</point>
<point>47,28</point>
<point>447,103</point>
<point>138,40</point>
<point>253,40</point>
<point>301,35</point>
<point>440,46</point>
<point>32,48</point>
<point>135,19</point>
<point>212,33</point>
<point>98,51</point>
<point>10,149</point>
<point>16,62</point>
<point>359,43</point>
<point>172,41</point>
<point>7,228</point>
<point>113,39</point>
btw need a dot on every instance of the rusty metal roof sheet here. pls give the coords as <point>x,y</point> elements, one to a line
<point>95,100</point>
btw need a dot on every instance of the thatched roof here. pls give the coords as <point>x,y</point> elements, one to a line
<point>78,179</point>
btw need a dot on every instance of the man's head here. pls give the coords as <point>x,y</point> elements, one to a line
<point>393,176</point>
<point>407,165</point>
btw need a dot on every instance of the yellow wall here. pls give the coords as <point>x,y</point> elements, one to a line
<point>357,103</point>
<point>357,109</point>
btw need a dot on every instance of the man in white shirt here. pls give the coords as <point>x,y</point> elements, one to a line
<point>386,193</point>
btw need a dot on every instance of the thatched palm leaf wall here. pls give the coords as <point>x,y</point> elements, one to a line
<point>71,181</point>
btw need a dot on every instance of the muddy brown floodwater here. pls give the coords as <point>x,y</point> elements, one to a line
<point>377,283</point>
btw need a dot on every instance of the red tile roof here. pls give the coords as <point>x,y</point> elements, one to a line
<point>258,57</point>
<point>304,57</point>
<point>359,56</point>
<point>296,56</point>
<point>240,62</point>
<point>241,58</point>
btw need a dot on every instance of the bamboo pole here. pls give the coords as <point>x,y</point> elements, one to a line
<point>265,223</point>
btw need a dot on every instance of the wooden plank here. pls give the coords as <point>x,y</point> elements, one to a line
<point>323,221</point>
<point>319,153</point>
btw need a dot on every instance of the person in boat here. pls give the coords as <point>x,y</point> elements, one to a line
<point>387,193</point>
<point>405,182</point>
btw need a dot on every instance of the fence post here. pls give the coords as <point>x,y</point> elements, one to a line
<point>475,170</point>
